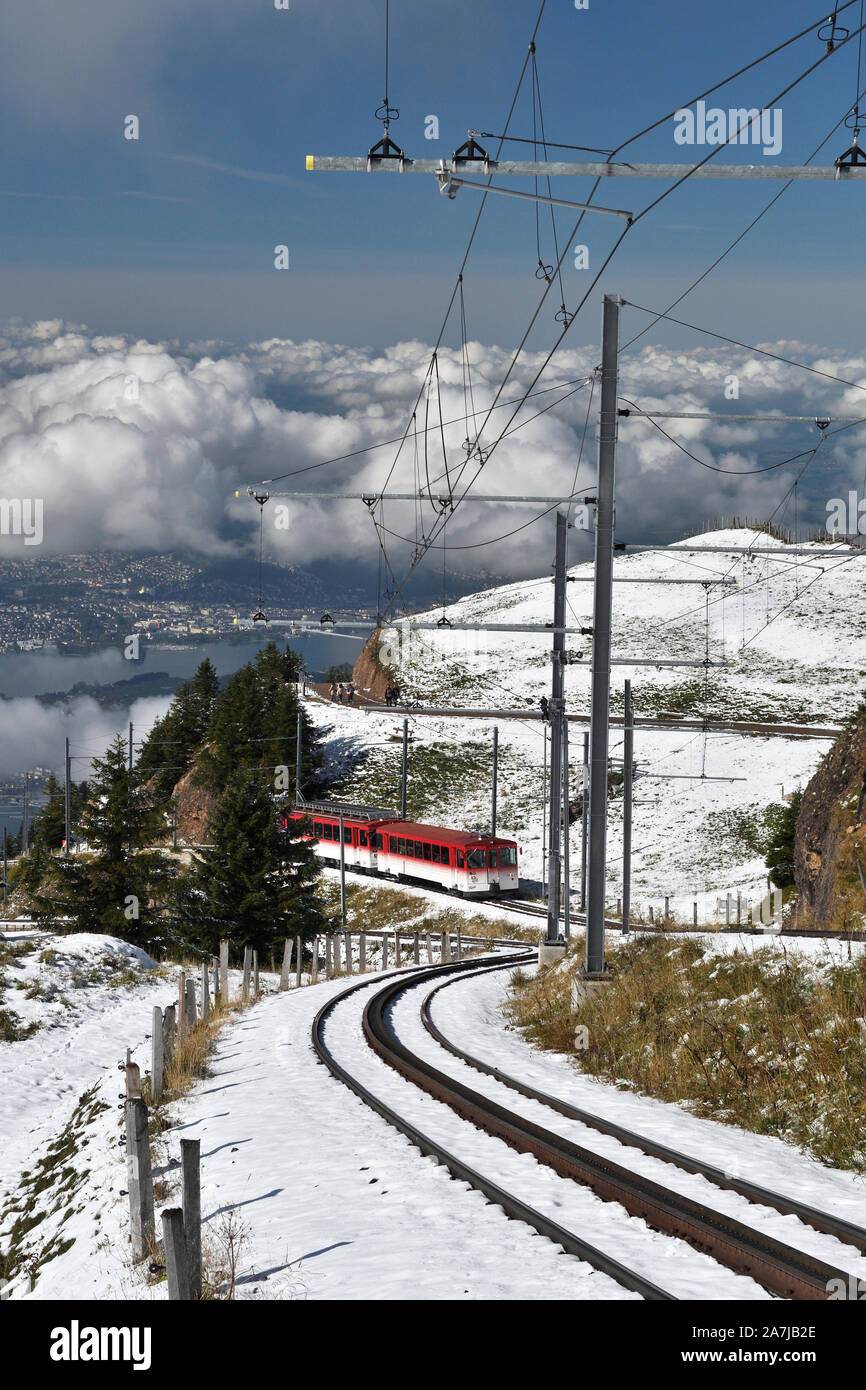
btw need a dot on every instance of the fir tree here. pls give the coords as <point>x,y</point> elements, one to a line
<point>170,747</point>
<point>783,826</point>
<point>255,885</point>
<point>120,886</point>
<point>255,724</point>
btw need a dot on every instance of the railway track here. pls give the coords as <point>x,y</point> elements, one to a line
<point>527,909</point>
<point>782,1269</point>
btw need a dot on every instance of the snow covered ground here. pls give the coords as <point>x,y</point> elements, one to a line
<point>792,630</point>
<point>330,1202</point>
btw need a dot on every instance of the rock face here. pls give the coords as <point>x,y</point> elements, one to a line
<point>830,839</point>
<point>369,675</point>
<point>194,806</point>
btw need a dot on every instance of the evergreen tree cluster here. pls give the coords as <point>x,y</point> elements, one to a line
<point>254,884</point>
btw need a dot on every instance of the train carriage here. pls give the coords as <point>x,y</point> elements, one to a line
<point>378,842</point>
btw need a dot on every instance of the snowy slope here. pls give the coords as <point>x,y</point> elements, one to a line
<point>792,630</point>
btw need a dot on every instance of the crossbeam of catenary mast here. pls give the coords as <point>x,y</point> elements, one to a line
<point>766,419</point>
<point>820,553</point>
<point>374,498</point>
<point>359,164</point>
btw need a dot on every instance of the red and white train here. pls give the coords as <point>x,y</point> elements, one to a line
<point>376,841</point>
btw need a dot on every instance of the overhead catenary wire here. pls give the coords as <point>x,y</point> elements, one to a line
<point>566,325</point>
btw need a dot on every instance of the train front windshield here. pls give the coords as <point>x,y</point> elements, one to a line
<point>477,859</point>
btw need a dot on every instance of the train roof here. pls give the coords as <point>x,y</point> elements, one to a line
<point>389,821</point>
<point>417,830</point>
<point>346,809</point>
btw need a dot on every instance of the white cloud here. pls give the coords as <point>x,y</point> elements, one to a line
<point>41,730</point>
<point>140,446</point>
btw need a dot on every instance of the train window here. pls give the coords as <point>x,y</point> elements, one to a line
<point>410,849</point>
<point>476,858</point>
<point>418,849</point>
<point>392,844</point>
<point>508,856</point>
<point>426,848</point>
<point>446,855</point>
<point>401,845</point>
<point>437,857</point>
<point>347,834</point>
<point>317,829</point>
<point>327,831</point>
<point>377,841</point>
<point>362,836</point>
<point>461,860</point>
<point>494,859</point>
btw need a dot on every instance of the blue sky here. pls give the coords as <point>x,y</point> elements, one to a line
<point>160,237</point>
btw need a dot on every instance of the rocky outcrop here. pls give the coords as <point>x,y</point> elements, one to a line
<point>830,838</point>
<point>194,806</point>
<point>369,674</point>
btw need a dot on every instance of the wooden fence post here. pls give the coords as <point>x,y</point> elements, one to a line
<point>444,948</point>
<point>139,1177</point>
<point>429,945</point>
<point>299,960</point>
<point>181,1007</point>
<point>157,1055</point>
<point>224,972</point>
<point>416,948</point>
<point>459,946</point>
<point>287,965</point>
<point>667,909</point>
<point>694,914</point>
<point>248,962</point>
<point>328,957</point>
<point>190,1158</point>
<point>133,1081</point>
<point>314,977</point>
<point>177,1274</point>
<point>169,1023</point>
<point>335,955</point>
<point>215,972</point>
<point>191,1011</point>
<point>205,991</point>
<point>362,953</point>
<point>397,949</point>
<point>384,951</point>
<point>347,951</point>
<point>255,974</point>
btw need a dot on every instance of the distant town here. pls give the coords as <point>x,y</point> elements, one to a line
<point>86,601</point>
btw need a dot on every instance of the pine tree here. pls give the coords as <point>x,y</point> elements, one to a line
<point>120,886</point>
<point>170,747</point>
<point>253,886</point>
<point>783,827</point>
<point>49,826</point>
<point>255,724</point>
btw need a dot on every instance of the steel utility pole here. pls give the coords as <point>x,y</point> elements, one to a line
<point>405,775</point>
<point>67,800</point>
<point>602,606</point>
<point>342,875</point>
<point>5,867</point>
<point>584,821</point>
<point>130,747</point>
<point>628,765</point>
<point>554,872</point>
<point>544,810</point>
<point>495,777</point>
<point>299,745</point>
<point>565,831</point>
<point>24,826</point>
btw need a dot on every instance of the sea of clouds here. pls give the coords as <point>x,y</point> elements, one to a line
<point>136,445</point>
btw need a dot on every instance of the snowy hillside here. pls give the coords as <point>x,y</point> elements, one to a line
<point>792,630</point>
